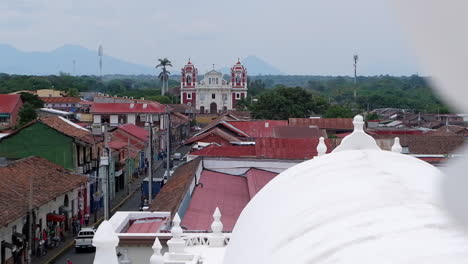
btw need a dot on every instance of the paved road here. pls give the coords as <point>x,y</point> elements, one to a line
<point>132,204</point>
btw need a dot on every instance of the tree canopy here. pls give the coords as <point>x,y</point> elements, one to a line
<point>283,103</point>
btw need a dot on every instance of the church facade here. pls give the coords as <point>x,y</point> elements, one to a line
<point>213,94</point>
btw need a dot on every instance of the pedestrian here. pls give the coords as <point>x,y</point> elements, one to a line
<point>86,219</point>
<point>69,261</point>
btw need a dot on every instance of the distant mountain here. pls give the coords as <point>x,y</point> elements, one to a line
<point>256,66</point>
<point>13,61</point>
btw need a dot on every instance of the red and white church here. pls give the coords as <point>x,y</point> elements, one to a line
<point>213,94</point>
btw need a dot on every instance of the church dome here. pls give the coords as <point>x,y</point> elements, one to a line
<point>358,204</point>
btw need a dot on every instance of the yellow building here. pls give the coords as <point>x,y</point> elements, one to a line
<point>49,93</point>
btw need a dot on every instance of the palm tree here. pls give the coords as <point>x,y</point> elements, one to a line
<point>164,74</point>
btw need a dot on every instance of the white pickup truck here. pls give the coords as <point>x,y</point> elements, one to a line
<point>84,240</point>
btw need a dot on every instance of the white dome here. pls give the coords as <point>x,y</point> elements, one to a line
<point>351,206</point>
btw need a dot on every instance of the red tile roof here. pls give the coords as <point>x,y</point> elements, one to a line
<point>226,151</point>
<point>48,179</point>
<point>124,108</point>
<point>258,128</point>
<point>68,129</point>
<point>228,192</point>
<point>136,131</point>
<point>323,123</point>
<point>61,100</point>
<point>8,102</point>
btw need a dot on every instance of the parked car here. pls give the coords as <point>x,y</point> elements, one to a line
<point>84,239</point>
<point>178,156</point>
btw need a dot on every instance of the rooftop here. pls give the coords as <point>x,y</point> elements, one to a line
<point>48,179</point>
<point>61,100</point>
<point>8,102</point>
<point>124,108</point>
<point>323,123</point>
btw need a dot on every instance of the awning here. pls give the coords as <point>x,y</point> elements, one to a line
<point>55,218</point>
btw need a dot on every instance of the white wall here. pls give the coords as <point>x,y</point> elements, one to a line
<point>131,118</point>
<point>97,119</point>
<point>114,119</point>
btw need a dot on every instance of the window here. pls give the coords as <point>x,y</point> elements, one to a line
<point>213,96</point>
<point>216,80</point>
<point>224,97</point>
<point>209,80</point>
<point>5,118</point>
<point>189,96</point>
<point>238,96</point>
<point>105,119</point>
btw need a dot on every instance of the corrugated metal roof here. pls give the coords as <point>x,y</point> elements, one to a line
<point>8,102</point>
<point>257,179</point>
<point>122,108</point>
<point>226,151</point>
<point>136,131</point>
<point>288,148</point>
<point>228,192</point>
<point>323,123</point>
<point>258,128</point>
<point>60,100</point>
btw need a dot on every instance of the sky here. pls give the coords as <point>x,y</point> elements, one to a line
<point>313,37</point>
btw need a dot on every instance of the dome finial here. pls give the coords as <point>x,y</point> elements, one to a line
<point>358,139</point>
<point>358,123</point>
<point>396,146</point>
<point>321,147</point>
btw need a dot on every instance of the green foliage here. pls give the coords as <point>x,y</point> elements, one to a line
<point>32,99</point>
<point>27,114</point>
<point>372,116</point>
<point>73,92</point>
<point>163,99</point>
<point>337,111</point>
<point>283,102</point>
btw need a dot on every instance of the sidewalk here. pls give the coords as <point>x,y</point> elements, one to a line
<point>120,198</point>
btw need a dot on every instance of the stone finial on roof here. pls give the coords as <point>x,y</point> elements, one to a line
<point>358,139</point>
<point>321,147</point>
<point>176,244</point>
<point>105,240</point>
<point>157,258</point>
<point>217,237</point>
<point>396,146</point>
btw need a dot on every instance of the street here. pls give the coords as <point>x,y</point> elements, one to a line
<point>132,204</point>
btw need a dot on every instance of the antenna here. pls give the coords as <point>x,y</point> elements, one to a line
<point>100,53</point>
<point>356,58</point>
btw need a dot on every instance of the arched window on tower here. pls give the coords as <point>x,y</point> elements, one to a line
<point>238,78</point>
<point>189,80</point>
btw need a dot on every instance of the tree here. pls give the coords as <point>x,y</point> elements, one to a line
<point>164,74</point>
<point>338,111</point>
<point>27,114</point>
<point>73,92</point>
<point>283,102</point>
<point>160,98</point>
<point>32,99</point>
<point>372,116</point>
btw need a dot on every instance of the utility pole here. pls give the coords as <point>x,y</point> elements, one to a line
<point>355,57</point>
<point>105,181</point>
<point>100,54</point>
<point>168,159</point>
<point>74,67</point>
<point>150,161</point>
